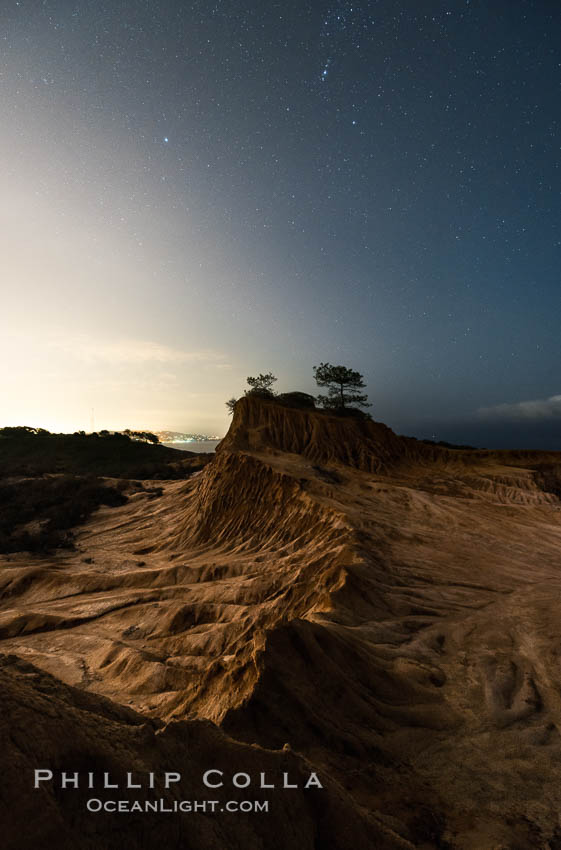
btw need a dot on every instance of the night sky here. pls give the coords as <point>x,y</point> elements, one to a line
<point>191,193</point>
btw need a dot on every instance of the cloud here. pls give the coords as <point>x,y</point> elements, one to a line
<point>126,352</point>
<point>538,410</point>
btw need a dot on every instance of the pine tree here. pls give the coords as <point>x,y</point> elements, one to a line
<point>341,384</point>
<point>261,385</point>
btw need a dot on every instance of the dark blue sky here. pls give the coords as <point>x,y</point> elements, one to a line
<point>196,192</point>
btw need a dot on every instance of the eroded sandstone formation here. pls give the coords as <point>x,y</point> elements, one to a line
<point>387,608</point>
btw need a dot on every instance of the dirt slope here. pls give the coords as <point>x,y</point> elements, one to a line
<point>388,608</point>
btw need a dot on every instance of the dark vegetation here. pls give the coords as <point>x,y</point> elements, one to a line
<point>36,514</point>
<point>342,398</point>
<point>342,385</point>
<point>260,386</point>
<point>34,451</point>
<point>444,445</point>
<point>143,436</point>
<point>50,483</point>
<point>296,399</point>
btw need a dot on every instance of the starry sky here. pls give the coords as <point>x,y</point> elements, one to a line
<point>194,192</point>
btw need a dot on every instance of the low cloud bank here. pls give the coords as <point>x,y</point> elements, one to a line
<point>536,410</point>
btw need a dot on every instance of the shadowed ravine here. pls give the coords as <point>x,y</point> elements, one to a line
<point>387,608</point>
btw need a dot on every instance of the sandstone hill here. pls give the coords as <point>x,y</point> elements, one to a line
<point>386,608</point>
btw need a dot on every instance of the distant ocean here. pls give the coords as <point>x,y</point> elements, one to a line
<point>194,446</point>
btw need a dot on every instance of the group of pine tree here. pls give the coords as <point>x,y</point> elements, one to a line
<point>342,384</point>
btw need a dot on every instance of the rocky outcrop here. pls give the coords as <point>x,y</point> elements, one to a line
<point>260,425</point>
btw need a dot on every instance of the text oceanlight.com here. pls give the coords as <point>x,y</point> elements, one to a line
<point>171,806</point>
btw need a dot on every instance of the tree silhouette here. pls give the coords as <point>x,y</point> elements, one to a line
<point>230,404</point>
<point>341,384</point>
<point>261,385</point>
<point>141,436</point>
